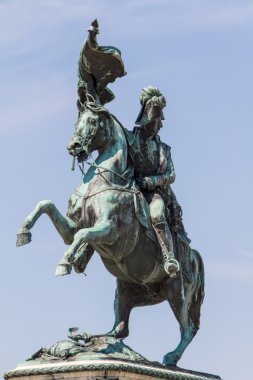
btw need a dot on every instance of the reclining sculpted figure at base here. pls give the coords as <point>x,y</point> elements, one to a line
<point>103,213</point>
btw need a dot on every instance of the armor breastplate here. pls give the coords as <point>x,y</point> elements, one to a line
<point>146,158</point>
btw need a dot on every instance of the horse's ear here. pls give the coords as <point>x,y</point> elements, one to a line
<point>80,106</point>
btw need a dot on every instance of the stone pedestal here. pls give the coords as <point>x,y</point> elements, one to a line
<point>102,369</point>
<point>100,358</point>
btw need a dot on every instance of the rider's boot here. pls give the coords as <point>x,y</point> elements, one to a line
<point>171,265</point>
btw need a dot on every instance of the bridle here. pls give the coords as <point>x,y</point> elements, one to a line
<point>100,169</point>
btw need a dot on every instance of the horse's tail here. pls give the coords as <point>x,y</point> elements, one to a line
<point>200,277</point>
<point>199,293</point>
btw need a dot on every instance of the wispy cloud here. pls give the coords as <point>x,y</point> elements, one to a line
<point>39,101</point>
<point>34,21</point>
<point>245,253</point>
<point>240,268</point>
<point>19,19</point>
<point>176,16</point>
<point>27,25</point>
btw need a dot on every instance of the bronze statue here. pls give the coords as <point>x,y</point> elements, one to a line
<point>125,209</point>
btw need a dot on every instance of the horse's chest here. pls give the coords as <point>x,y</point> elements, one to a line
<point>75,208</point>
<point>82,211</point>
<point>89,212</point>
<point>75,205</point>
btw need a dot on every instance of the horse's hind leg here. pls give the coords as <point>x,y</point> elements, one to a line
<point>65,226</point>
<point>188,325</point>
<point>130,295</point>
<point>122,307</point>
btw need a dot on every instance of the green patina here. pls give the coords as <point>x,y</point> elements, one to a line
<point>125,208</point>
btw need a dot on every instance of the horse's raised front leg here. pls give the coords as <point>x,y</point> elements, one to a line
<point>102,232</point>
<point>64,225</point>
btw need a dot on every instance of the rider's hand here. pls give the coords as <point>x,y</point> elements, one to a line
<point>143,183</point>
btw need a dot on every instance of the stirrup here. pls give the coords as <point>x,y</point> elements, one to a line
<point>171,266</point>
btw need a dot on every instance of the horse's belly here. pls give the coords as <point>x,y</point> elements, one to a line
<point>145,262</point>
<point>141,263</point>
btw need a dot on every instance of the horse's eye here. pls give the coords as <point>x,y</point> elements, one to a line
<point>93,121</point>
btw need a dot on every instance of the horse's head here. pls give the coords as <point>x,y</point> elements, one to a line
<point>93,132</point>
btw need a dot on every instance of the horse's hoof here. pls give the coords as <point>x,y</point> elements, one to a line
<point>23,238</point>
<point>63,269</point>
<point>170,360</point>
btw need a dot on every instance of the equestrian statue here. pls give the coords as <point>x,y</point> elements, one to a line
<point>125,209</point>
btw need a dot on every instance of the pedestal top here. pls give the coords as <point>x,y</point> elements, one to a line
<point>103,369</point>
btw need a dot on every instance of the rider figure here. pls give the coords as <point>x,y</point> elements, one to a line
<point>154,170</point>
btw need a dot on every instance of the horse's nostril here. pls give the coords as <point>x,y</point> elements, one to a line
<point>74,146</point>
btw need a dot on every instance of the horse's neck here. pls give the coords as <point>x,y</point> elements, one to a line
<point>113,157</point>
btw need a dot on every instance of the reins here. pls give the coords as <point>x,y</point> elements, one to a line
<point>112,186</point>
<point>106,169</point>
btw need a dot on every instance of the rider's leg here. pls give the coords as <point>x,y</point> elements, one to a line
<point>157,213</point>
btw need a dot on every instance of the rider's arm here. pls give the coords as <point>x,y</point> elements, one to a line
<point>163,179</point>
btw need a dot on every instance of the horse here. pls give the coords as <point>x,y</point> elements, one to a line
<point>102,217</point>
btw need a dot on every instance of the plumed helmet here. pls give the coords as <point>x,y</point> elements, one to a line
<point>152,102</point>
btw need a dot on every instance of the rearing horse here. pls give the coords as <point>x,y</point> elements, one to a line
<point>102,217</point>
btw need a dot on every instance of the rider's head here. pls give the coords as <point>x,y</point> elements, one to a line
<point>151,114</point>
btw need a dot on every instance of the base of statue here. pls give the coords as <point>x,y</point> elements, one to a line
<point>99,358</point>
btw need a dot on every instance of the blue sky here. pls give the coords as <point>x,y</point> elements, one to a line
<point>199,53</point>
